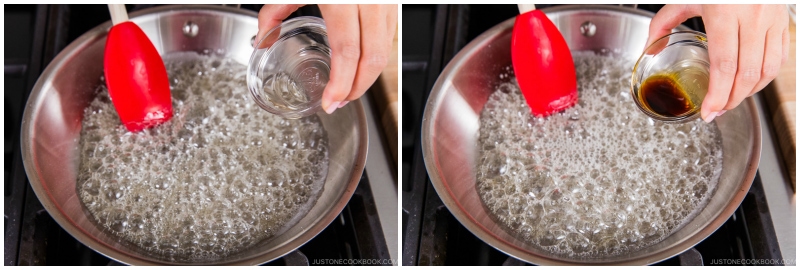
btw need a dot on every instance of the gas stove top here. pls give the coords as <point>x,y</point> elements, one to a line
<point>432,236</point>
<point>32,237</point>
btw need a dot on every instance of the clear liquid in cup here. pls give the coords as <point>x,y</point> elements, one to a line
<point>291,73</point>
<point>305,83</point>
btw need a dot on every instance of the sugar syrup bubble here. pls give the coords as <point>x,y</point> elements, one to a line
<point>208,183</point>
<point>599,179</point>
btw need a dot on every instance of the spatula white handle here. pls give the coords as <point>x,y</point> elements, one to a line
<point>118,13</point>
<point>524,8</point>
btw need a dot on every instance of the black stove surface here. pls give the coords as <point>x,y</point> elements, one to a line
<point>36,33</point>
<point>433,236</point>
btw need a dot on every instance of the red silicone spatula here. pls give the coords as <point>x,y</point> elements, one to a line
<point>135,74</point>
<point>542,63</point>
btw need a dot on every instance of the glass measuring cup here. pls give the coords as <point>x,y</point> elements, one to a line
<point>290,68</point>
<point>677,62</point>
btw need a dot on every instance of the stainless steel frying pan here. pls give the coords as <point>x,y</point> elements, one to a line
<point>450,127</point>
<point>52,123</point>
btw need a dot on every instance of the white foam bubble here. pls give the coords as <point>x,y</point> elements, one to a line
<point>599,178</point>
<point>209,182</point>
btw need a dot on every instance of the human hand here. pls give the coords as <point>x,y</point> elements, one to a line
<point>360,38</point>
<point>747,44</point>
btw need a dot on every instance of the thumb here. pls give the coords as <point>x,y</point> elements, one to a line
<point>669,17</point>
<point>272,15</point>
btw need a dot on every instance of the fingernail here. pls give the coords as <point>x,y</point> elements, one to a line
<point>343,103</point>
<point>332,107</point>
<point>710,117</point>
<point>721,112</point>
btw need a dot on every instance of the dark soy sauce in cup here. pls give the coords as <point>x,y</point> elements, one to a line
<point>663,95</point>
